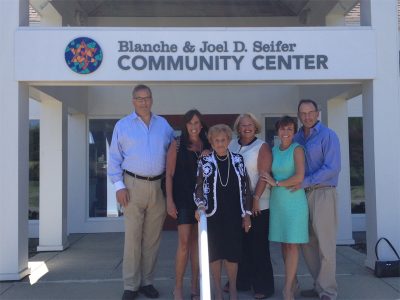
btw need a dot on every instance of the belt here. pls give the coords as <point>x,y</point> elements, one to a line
<point>148,178</point>
<point>318,186</point>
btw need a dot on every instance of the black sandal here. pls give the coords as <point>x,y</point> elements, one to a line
<point>226,287</point>
<point>194,296</point>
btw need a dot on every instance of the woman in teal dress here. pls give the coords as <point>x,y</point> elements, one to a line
<point>288,207</point>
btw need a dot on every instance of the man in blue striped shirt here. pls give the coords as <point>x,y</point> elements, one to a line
<point>322,151</point>
<point>136,166</point>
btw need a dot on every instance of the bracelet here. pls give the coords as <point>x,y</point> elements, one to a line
<point>277,183</point>
<point>256,197</point>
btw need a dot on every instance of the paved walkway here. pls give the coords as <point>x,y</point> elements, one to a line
<point>91,269</point>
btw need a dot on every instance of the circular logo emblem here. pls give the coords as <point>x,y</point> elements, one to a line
<point>83,55</point>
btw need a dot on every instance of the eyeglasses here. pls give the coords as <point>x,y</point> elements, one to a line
<point>308,114</point>
<point>142,99</point>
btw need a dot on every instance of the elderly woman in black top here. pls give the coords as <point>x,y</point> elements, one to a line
<point>222,192</point>
<point>180,182</point>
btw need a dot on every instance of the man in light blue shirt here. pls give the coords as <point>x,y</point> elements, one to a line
<point>136,167</point>
<point>322,151</point>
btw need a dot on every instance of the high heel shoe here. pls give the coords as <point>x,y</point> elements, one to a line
<point>177,296</point>
<point>296,289</point>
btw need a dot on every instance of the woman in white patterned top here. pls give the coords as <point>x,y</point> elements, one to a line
<point>255,268</point>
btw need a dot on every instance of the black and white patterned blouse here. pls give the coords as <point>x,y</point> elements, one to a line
<point>205,193</point>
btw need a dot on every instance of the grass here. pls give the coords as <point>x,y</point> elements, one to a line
<point>357,193</point>
<point>357,199</point>
<point>34,195</point>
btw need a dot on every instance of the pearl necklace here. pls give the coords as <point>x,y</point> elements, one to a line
<point>219,173</point>
<point>221,159</point>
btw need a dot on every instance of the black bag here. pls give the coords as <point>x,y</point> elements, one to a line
<point>389,268</point>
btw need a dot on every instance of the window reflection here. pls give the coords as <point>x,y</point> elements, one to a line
<point>34,131</point>
<point>271,136</point>
<point>356,165</point>
<point>102,202</point>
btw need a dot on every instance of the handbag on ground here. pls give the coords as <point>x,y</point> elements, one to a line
<point>386,268</point>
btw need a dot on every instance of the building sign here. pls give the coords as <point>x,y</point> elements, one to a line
<point>271,55</point>
<point>193,54</point>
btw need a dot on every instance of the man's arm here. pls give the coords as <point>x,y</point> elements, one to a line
<point>114,169</point>
<point>115,159</point>
<point>332,163</point>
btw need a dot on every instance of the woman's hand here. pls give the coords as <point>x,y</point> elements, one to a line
<point>197,213</point>
<point>268,178</point>
<point>256,206</point>
<point>294,188</point>
<point>205,152</point>
<point>171,208</point>
<point>246,223</point>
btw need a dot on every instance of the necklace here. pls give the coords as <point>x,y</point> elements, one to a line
<point>197,154</point>
<point>219,173</point>
<point>199,148</point>
<point>221,159</point>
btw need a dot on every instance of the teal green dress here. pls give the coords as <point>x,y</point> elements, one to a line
<point>288,221</point>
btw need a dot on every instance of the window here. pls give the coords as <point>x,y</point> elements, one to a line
<point>356,165</point>
<point>270,132</point>
<point>34,169</point>
<point>102,202</point>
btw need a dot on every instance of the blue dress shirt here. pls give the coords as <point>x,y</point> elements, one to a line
<point>138,148</point>
<point>322,153</point>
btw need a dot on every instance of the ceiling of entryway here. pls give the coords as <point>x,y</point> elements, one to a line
<point>194,8</point>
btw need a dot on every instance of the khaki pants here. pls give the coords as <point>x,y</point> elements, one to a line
<point>320,252</point>
<point>144,218</point>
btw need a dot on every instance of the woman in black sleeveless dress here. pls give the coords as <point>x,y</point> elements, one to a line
<point>180,183</point>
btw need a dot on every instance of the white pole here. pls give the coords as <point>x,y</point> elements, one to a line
<point>205,293</point>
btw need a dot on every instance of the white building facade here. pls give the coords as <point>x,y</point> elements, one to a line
<point>201,59</point>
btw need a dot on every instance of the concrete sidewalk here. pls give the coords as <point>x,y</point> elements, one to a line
<point>91,269</point>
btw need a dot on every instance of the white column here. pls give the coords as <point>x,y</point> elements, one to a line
<point>381,110</point>
<point>77,172</point>
<point>53,176</point>
<point>14,132</point>
<point>338,121</point>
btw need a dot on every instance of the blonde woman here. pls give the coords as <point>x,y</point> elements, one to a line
<point>255,268</point>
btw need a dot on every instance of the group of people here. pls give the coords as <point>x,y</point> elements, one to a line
<point>250,194</point>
